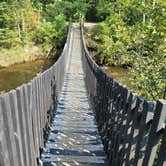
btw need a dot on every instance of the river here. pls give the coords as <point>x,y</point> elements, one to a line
<point>13,76</point>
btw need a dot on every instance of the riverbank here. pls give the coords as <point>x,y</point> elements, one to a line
<point>20,54</point>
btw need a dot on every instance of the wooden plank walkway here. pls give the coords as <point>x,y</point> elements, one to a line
<point>74,138</point>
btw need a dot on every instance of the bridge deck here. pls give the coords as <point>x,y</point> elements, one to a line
<point>74,139</point>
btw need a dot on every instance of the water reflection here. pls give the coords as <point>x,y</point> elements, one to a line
<point>15,75</point>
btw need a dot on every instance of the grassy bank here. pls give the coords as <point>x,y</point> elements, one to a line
<point>19,55</point>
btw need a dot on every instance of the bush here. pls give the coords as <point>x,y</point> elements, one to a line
<point>51,34</point>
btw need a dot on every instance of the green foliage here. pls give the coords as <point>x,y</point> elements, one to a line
<point>17,20</point>
<point>51,33</point>
<point>104,9</point>
<point>74,10</point>
<point>44,33</point>
<point>8,37</point>
<point>132,12</point>
<point>133,34</point>
<point>148,75</point>
<point>24,22</point>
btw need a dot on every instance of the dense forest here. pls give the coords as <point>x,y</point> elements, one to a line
<point>128,33</point>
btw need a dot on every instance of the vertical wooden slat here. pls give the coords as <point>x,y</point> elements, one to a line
<point>44,86</point>
<point>31,132</point>
<point>127,121</point>
<point>34,119</point>
<point>158,121</point>
<point>162,152</point>
<point>41,109</point>
<point>9,130</point>
<point>39,113</point>
<point>4,151</point>
<point>26,108</point>
<point>16,125</point>
<point>21,113</point>
<point>123,121</point>
<point>37,117</point>
<point>143,129</point>
<point>133,131</point>
<point>120,105</point>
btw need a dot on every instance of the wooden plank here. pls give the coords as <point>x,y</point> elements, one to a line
<point>107,125</point>
<point>117,102</point>
<point>30,113</point>
<point>143,131</point>
<point>39,113</point>
<point>127,121</point>
<point>158,121</point>
<point>126,93</point>
<point>16,125</point>
<point>162,152</point>
<point>37,123</point>
<point>38,110</point>
<point>112,115</point>
<point>26,108</point>
<point>119,117</point>
<point>44,115</point>
<point>44,98</point>
<point>21,113</point>
<point>4,151</point>
<point>132,137</point>
<point>9,130</point>
<point>34,120</point>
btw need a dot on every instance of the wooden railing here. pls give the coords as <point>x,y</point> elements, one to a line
<point>132,131</point>
<point>26,114</point>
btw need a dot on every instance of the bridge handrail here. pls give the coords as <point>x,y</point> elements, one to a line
<point>132,131</point>
<point>26,113</point>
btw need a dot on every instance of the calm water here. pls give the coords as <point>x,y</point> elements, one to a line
<point>15,75</point>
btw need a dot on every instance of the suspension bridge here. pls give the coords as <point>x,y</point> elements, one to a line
<point>75,114</point>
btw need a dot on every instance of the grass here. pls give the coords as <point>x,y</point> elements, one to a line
<point>19,55</point>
